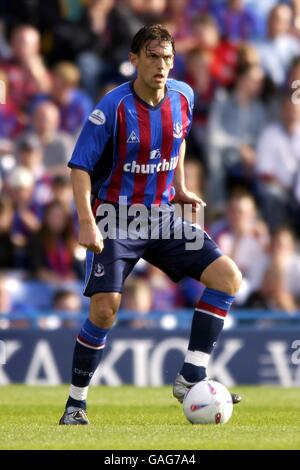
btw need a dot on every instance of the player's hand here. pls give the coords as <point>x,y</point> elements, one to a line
<point>188,197</point>
<point>90,236</point>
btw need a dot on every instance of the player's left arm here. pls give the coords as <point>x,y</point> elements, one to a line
<point>182,194</point>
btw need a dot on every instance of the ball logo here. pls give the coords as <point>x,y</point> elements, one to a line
<point>218,417</point>
<point>97,117</point>
<point>212,389</point>
<point>198,407</point>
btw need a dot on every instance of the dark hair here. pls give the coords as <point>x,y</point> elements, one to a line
<point>244,69</point>
<point>62,293</point>
<point>149,33</point>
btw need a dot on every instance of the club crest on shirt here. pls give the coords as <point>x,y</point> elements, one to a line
<point>177,130</point>
<point>97,117</point>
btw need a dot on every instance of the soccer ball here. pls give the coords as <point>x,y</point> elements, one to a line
<point>208,402</point>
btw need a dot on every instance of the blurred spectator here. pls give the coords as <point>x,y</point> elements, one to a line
<point>166,296</point>
<point>235,123</point>
<point>52,249</point>
<point>64,302</point>
<point>57,146</point>
<point>293,73</point>
<point>199,77</point>
<point>112,25</point>
<point>30,155</point>
<point>7,308</point>
<point>296,204</point>
<point>63,193</point>
<point>296,16</point>
<point>236,21</point>
<point>67,301</point>
<point>281,285</point>
<point>10,119</point>
<point>165,293</point>
<point>38,13</point>
<point>6,244</point>
<point>243,237</point>
<point>279,48</point>
<point>247,54</point>
<point>96,56</point>
<point>74,105</point>
<point>224,52</point>
<point>5,304</point>
<point>126,18</point>
<point>261,10</point>
<point>27,213</point>
<point>6,150</point>
<point>4,47</point>
<point>277,164</point>
<point>137,298</point>
<point>193,173</point>
<point>205,30</point>
<point>178,22</point>
<point>26,72</point>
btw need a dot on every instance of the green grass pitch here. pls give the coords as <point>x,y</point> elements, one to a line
<point>146,418</point>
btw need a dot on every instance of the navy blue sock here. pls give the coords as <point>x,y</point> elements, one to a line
<point>87,355</point>
<point>207,324</point>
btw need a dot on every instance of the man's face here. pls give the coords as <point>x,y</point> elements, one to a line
<point>25,43</point>
<point>154,63</point>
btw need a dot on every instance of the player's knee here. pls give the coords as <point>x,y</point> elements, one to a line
<point>234,279</point>
<point>223,275</point>
<point>105,314</point>
<point>103,309</point>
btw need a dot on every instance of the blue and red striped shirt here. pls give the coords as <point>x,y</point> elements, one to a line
<point>131,148</point>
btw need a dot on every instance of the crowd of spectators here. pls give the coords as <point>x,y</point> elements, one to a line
<point>242,59</point>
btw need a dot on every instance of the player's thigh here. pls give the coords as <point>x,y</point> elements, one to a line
<point>105,274</point>
<point>178,258</point>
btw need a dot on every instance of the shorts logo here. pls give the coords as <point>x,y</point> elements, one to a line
<point>155,154</point>
<point>177,130</point>
<point>133,138</point>
<point>99,270</point>
<point>97,117</point>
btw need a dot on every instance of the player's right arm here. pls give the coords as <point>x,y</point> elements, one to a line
<point>86,155</point>
<point>89,234</point>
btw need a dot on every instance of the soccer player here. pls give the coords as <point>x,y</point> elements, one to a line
<point>133,146</point>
